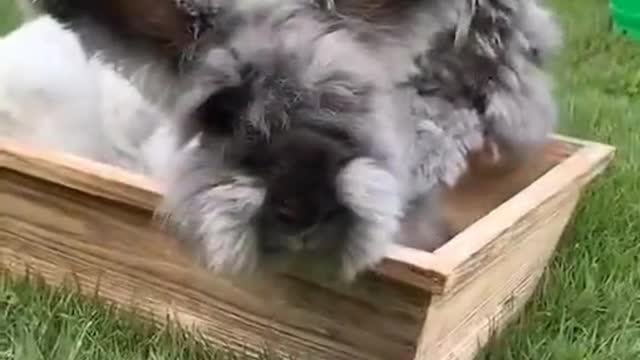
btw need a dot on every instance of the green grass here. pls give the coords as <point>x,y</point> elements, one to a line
<point>38,323</point>
<point>588,306</point>
<point>9,16</point>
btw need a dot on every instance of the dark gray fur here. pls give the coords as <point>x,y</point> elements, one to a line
<point>493,68</point>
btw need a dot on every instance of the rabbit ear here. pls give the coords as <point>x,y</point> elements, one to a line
<point>163,24</point>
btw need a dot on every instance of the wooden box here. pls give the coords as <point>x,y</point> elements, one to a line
<point>61,216</point>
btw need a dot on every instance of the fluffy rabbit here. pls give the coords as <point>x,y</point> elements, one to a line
<point>302,135</point>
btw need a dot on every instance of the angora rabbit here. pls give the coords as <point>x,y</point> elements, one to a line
<point>477,67</point>
<point>304,136</point>
<point>292,150</point>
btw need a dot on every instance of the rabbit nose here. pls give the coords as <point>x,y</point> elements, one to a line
<point>293,214</point>
<point>289,211</point>
<point>287,214</point>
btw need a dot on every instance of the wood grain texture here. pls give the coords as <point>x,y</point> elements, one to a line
<point>408,266</point>
<point>463,319</point>
<point>77,173</point>
<point>65,217</point>
<point>483,189</point>
<point>494,265</point>
<point>478,240</point>
<point>110,249</point>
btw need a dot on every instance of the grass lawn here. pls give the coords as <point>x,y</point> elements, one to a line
<point>588,306</point>
<point>9,17</point>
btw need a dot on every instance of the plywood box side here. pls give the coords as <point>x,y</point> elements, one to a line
<point>108,181</point>
<point>497,271</point>
<point>100,180</point>
<point>481,237</point>
<point>578,143</point>
<point>60,232</point>
<point>65,216</point>
<point>405,265</point>
<point>416,268</point>
<point>460,322</point>
<point>408,266</point>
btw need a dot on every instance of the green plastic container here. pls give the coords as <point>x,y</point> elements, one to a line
<point>625,16</point>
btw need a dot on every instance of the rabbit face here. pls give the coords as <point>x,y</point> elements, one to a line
<point>281,162</point>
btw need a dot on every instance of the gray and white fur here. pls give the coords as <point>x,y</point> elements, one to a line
<point>373,118</point>
<point>285,74</point>
<point>288,70</point>
<point>477,68</point>
<point>53,95</point>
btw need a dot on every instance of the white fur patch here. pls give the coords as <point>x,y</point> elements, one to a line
<point>53,96</point>
<point>372,193</point>
<point>230,240</point>
<point>219,219</point>
<point>49,90</point>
